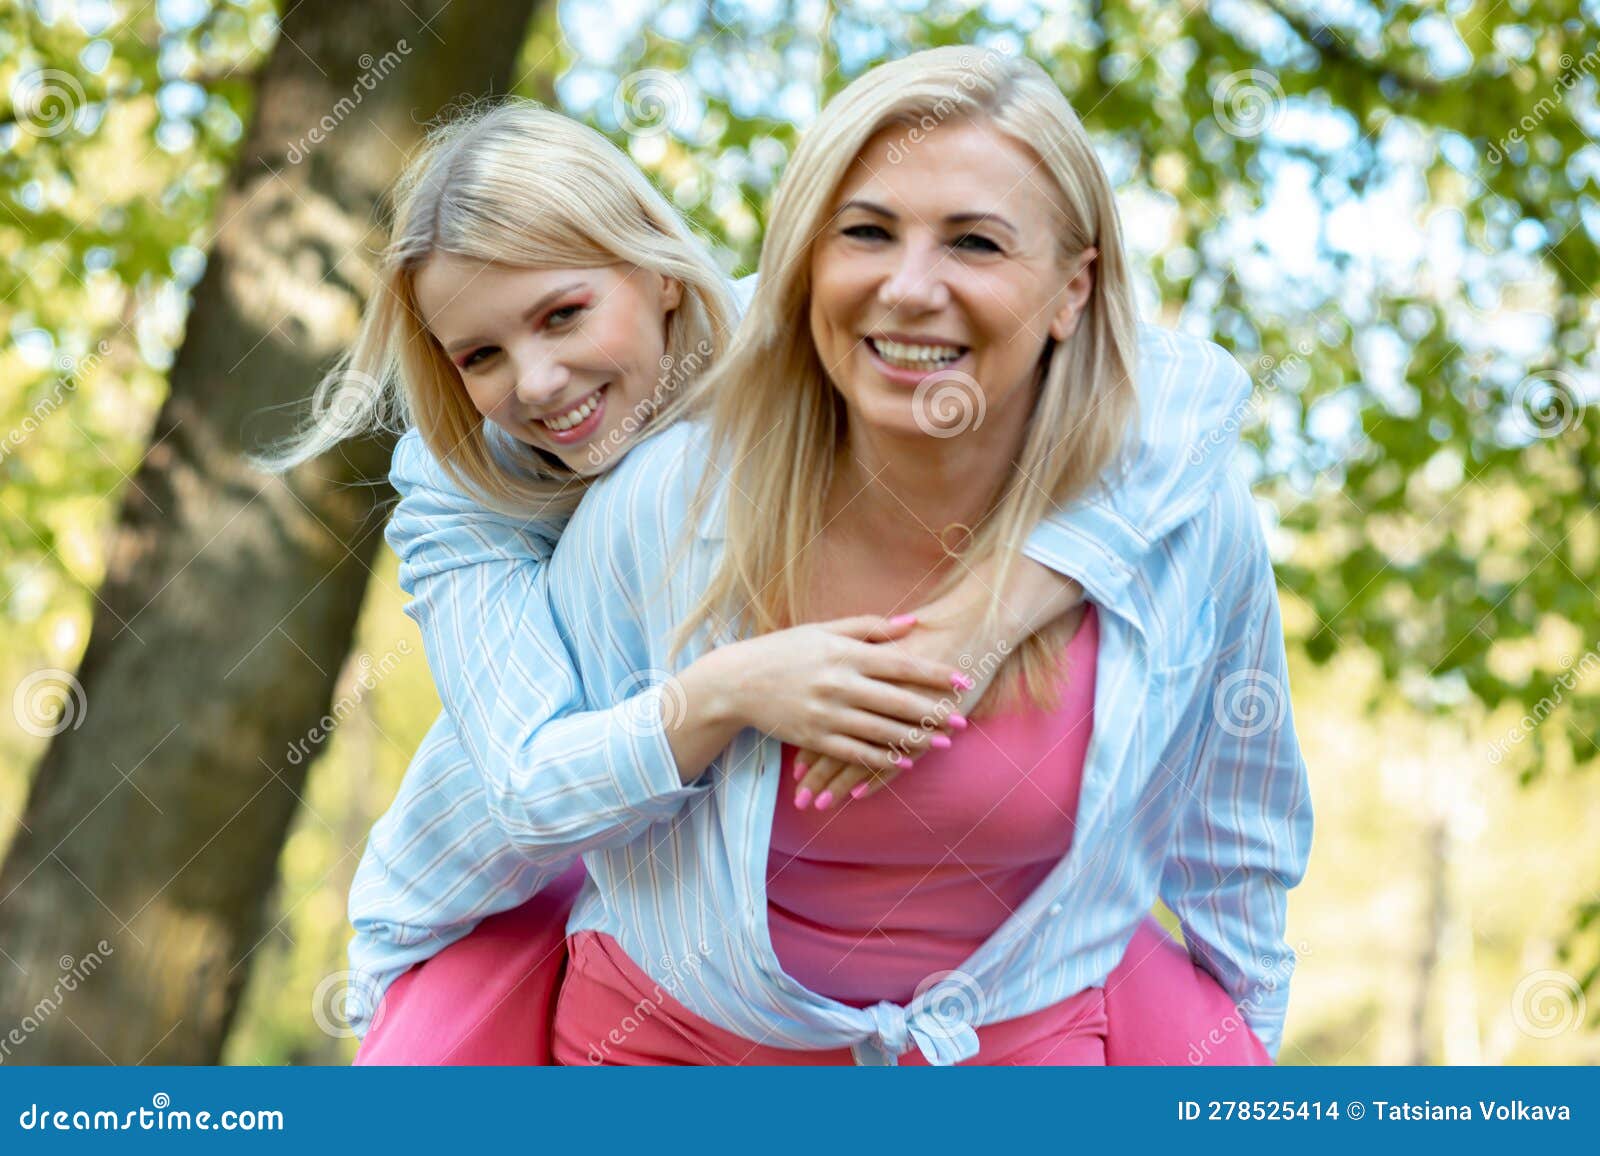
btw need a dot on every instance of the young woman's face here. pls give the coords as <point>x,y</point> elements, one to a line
<point>565,360</point>
<point>941,268</point>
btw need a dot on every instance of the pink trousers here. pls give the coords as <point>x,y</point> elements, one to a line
<point>612,1013</point>
<point>490,998</point>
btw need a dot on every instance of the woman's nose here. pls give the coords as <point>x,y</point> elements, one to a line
<point>541,381</point>
<point>917,279</point>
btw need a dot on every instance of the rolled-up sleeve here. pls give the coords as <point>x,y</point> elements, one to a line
<point>559,780</point>
<point>1243,832</point>
<point>435,864</point>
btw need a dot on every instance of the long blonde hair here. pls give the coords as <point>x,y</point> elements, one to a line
<point>772,378</point>
<point>517,184</point>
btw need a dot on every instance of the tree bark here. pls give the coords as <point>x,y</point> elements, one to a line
<point>135,891</point>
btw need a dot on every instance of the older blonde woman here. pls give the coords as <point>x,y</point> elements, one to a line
<point>945,224</point>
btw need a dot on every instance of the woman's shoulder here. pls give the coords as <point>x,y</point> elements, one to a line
<point>647,494</point>
<point>1227,542</point>
<point>1192,401</point>
<point>661,456</point>
<point>435,509</point>
<point>1189,382</point>
<point>413,465</point>
<point>743,290</point>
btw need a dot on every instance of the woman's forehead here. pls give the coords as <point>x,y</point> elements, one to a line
<point>955,167</point>
<point>453,291</point>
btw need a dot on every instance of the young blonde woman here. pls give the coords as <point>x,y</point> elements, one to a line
<point>946,215</point>
<point>534,338</point>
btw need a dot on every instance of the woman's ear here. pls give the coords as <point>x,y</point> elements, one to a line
<point>671,293</point>
<point>1065,323</point>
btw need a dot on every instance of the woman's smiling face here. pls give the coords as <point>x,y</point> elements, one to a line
<point>941,265</point>
<point>565,360</point>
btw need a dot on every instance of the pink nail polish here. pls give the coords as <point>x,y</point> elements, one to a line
<point>903,620</point>
<point>957,720</point>
<point>961,681</point>
<point>859,789</point>
<point>800,770</point>
<point>824,800</point>
<point>803,799</point>
<point>940,742</point>
<point>903,762</point>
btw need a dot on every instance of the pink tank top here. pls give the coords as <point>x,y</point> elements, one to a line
<point>868,898</point>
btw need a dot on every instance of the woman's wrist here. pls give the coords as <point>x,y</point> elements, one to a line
<point>712,690</point>
<point>709,708</point>
<point>1034,597</point>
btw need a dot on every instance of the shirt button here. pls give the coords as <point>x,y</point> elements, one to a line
<point>1055,909</point>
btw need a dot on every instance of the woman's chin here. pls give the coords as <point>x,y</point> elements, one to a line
<point>598,454</point>
<point>895,418</point>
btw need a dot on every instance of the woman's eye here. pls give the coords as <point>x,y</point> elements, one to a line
<point>867,232</point>
<point>563,315</point>
<point>477,357</point>
<point>977,243</point>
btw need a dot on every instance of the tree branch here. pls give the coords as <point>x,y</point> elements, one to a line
<point>1327,41</point>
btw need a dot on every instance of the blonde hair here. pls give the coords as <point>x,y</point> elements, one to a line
<point>517,184</point>
<point>772,377</point>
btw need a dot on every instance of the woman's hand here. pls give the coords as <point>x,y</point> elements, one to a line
<point>948,633</point>
<point>829,687</point>
<point>828,780</point>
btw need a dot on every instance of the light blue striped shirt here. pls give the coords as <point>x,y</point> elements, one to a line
<point>551,744</point>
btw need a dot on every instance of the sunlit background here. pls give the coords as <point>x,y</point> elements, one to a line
<point>1388,212</point>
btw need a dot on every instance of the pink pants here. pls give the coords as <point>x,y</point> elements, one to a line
<point>491,997</point>
<point>612,1013</point>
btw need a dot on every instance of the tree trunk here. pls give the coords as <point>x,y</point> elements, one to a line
<point>153,826</point>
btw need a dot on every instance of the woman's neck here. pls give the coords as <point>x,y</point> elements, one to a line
<point>913,494</point>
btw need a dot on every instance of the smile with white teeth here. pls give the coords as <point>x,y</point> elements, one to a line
<point>573,416</point>
<point>906,356</point>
